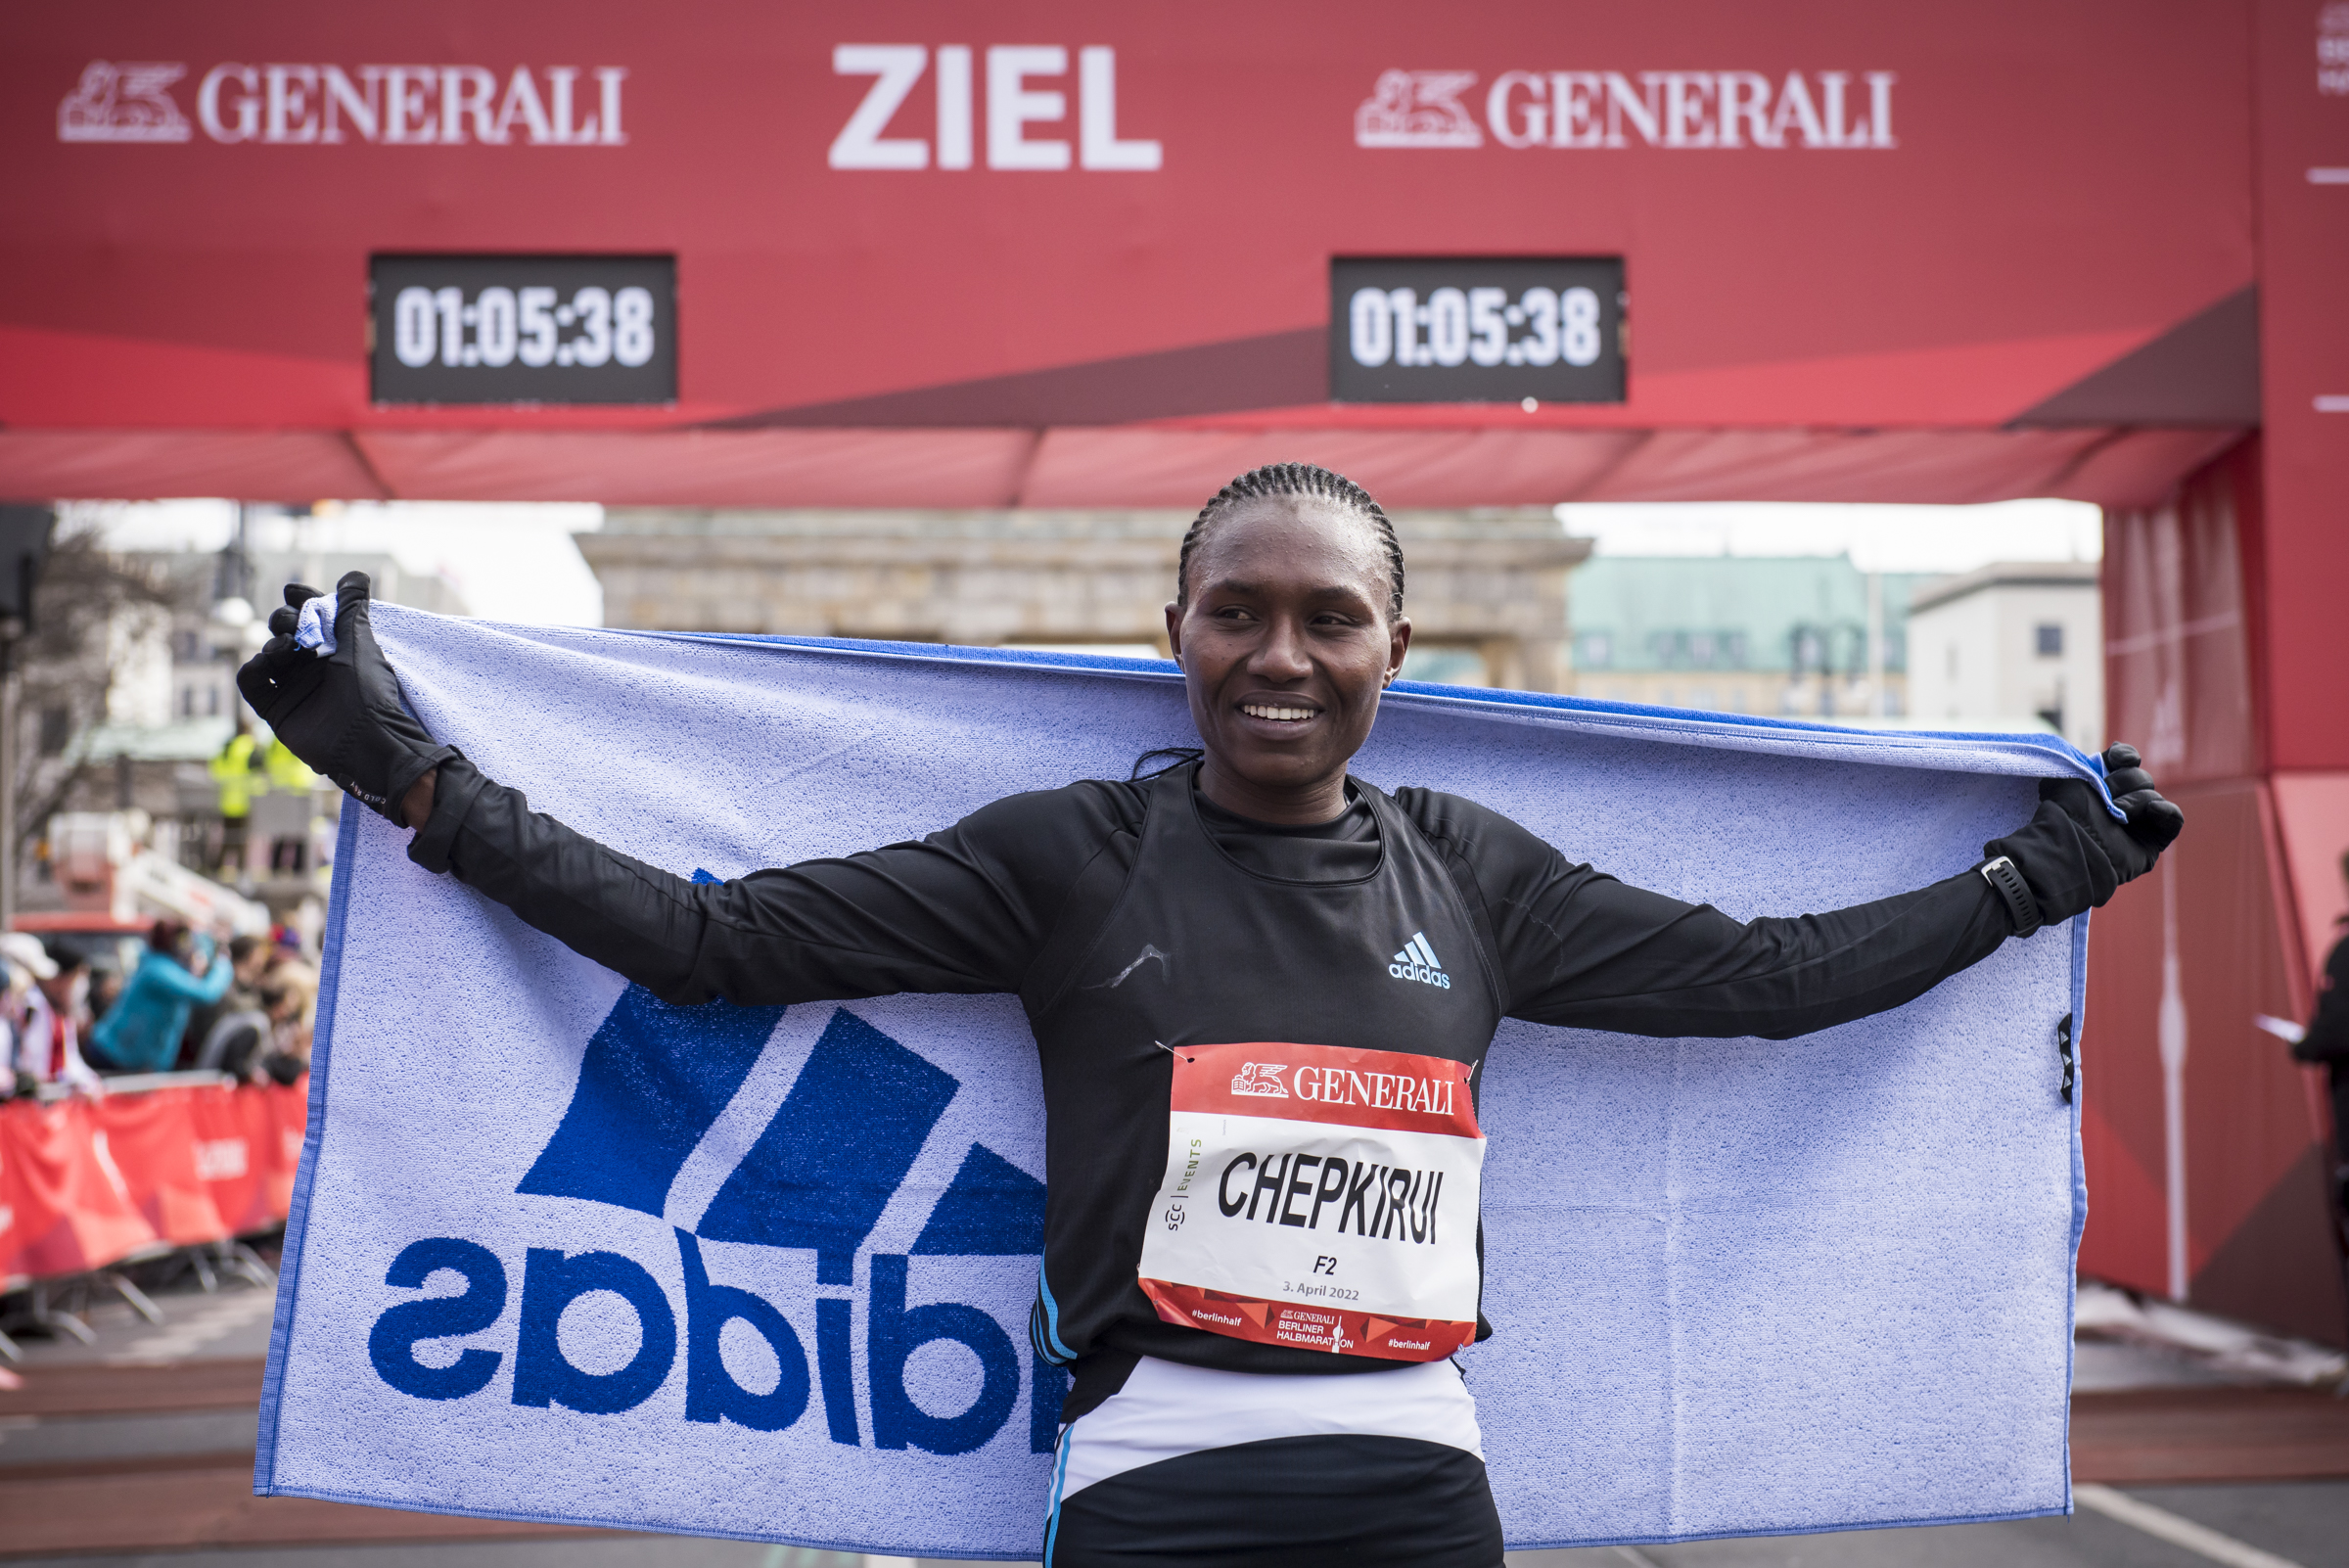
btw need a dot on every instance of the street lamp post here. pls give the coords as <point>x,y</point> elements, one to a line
<point>24,543</point>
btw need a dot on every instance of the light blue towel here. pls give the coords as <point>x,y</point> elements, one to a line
<point>560,1252</point>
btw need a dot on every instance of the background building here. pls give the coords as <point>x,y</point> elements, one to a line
<point>2010,645</point>
<point>1487,586</point>
<point>1744,634</point>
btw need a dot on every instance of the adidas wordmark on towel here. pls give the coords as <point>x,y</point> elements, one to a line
<point>1418,961</point>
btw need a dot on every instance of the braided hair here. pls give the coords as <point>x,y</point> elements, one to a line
<point>1294,480</point>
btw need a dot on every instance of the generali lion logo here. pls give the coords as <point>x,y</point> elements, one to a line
<point>124,103</point>
<point>1261,1079</point>
<point>1418,108</point>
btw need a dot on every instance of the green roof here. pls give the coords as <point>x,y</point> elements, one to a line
<point>183,740</point>
<point>1727,612</point>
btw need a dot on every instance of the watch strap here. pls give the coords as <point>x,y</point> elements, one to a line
<point>2000,873</point>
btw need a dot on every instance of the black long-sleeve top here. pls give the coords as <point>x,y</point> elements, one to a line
<point>1004,900</point>
<point>969,910</point>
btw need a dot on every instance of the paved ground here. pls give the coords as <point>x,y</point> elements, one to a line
<point>148,1460</point>
<point>2304,1522</point>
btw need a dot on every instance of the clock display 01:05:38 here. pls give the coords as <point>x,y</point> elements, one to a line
<point>1456,326</point>
<point>527,326</point>
<point>1462,329</point>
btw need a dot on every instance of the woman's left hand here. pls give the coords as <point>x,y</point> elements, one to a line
<point>2074,855</point>
<point>2153,824</point>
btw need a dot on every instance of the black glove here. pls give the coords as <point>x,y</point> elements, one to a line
<point>341,714</point>
<point>2073,855</point>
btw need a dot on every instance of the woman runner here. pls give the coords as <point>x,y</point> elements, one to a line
<point>1153,927</point>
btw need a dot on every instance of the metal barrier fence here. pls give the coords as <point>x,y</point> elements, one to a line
<point>163,1165</point>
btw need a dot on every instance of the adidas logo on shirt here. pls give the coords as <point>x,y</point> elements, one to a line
<point>1418,961</point>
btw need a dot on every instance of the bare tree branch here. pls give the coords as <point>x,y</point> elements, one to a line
<point>83,610</point>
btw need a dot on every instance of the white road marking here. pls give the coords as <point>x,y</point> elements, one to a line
<point>2163,1525</point>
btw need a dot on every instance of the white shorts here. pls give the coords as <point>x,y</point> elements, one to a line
<point>1166,1410</point>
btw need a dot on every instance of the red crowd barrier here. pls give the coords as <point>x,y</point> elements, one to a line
<point>87,1182</point>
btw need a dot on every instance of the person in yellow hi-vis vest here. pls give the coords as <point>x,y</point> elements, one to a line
<point>238,771</point>
<point>287,771</point>
<point>290,777</point>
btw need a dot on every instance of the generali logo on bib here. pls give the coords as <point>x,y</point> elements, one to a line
<point>1319,1197</point>
<point>1329,1084</point>
<point>1260,1080</point>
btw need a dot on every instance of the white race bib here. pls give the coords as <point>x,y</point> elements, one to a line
<point>1319,1197</point>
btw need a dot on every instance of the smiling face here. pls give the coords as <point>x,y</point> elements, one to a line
<point>1285,643</point>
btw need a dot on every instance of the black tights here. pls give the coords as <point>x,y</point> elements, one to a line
<point>1339,1501</point>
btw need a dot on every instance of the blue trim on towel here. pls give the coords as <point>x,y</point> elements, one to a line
<point>2071,1305</point>
<point>1837,1527</point>
<point>2054,749</point>
<point>947,1551</point>
<point>298,1211</point>
<point>963,1554</point>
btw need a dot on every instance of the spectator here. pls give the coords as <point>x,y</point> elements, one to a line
<point>48,1040</point>
<point>238,771</point>
<point>21,962</point>
<point>105,989</point>
<point>249,959</point>
<point>141,1032</point>
<point>291,995</point>
<point>2327,1041</point>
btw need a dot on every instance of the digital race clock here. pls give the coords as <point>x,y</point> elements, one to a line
<point>510,329</point>
<point>1427,330</point>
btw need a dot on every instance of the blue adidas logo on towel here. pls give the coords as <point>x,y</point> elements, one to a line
<point>656,1076</point>
<point>653,1080</point>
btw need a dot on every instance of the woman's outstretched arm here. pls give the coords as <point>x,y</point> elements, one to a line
<point>965,909</point>
<point>1582,949</point>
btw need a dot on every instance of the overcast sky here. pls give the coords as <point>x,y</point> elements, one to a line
<point>508,563</point>
<point>519,563</point>
<point>1878,538</point>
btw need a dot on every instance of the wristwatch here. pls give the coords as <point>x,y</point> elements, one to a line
<point>2001,874</point>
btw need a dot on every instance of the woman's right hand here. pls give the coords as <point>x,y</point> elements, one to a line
<point>341,711</point>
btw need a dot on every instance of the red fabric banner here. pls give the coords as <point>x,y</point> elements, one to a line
<point>289,1115</point>
<point>234,1149</point>
<point>2206,1161</point>
<point>1843,219</point>
<point>2180,624</point>
<point>76,1210</point>
<point>13,1212</point>
<point>152,1140</point>
<point>86,1182</point>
